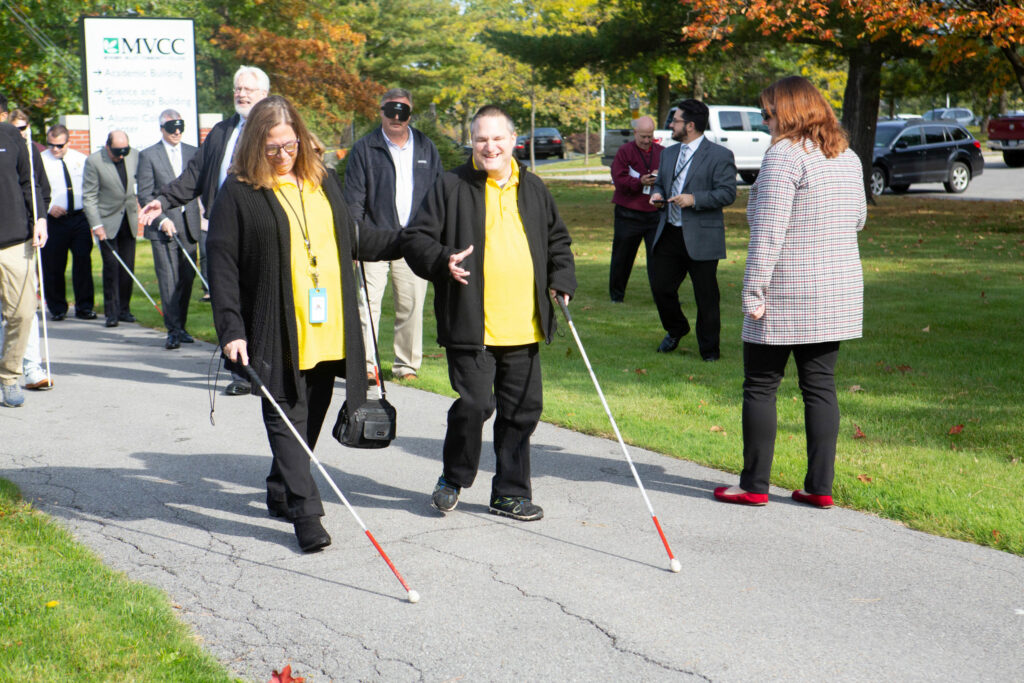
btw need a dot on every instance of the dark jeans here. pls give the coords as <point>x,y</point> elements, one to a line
<point>506,377</point>
<point>764,367</point>
<point>290,482</point>
<point>175,276</point>
<point>631,228</point>
<point>71,233</point>
<point>117,283</point>
<point>667,267</point>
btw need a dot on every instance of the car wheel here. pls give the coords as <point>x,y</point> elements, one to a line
<point>959,178</point>
<point>877,181</point>
<point>900,188</point>
<point>748,176</point>
<point>1014,159</point>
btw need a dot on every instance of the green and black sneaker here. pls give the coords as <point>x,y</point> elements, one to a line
<point>517,508</point>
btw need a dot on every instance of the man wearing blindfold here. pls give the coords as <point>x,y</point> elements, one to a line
<point>389,172</point>
<point>110,205</point>
<point>159,165</point>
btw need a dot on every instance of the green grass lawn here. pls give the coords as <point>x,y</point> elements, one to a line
<point>931,400</point>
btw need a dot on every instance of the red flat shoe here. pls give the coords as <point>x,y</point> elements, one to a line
<point>744,498</point>
<point>814,499</point>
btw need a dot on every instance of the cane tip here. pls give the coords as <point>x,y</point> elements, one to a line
<point>414,597</point>
<point>675,566</point>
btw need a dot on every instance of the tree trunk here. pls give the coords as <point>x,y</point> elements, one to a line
<point>698,86</point>
<point>860,104</point>
<point>1017,63</point>
<point>663,103</point>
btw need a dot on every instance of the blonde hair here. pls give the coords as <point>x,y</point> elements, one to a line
<point>251,164</point>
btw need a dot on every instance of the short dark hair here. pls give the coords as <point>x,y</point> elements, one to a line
<point>696,112</point>
<point>491,110</point>
<point>56,130</point>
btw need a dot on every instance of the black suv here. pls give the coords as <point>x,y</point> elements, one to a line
<point>917,151</point>
<point>548,144</point>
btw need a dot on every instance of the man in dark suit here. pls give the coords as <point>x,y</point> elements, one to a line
<point>698,177</point>
<point>110,205</point>
<point>206,172</point>
<point>159,165</point>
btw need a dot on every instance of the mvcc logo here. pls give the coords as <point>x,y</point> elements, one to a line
<point>163,46</point>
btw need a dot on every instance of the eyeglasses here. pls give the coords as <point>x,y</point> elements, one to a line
<point>174,126</point>
<point>397,110</point>
<point>290,147</point>
<point>765,116</point>
<point>55,145</point>
<point>247,91</point>
<point>682,121</point>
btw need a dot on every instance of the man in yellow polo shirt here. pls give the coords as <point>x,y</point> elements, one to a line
<point>489,237</point>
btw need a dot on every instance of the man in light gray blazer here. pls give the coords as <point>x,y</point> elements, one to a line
<point>159,165</point>
<point>696,179</point>
<point>108,199</point>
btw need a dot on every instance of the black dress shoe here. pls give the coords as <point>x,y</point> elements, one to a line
<point>58,316</point>
<point>711,358</point>
<point>126,318</point>
<point>669,343</point>
<point>85,314</point>
<point>172,342</point>
<point>185,338</point>
<point>238,388</point>
<point>111,322</point>
<point>311,534</point>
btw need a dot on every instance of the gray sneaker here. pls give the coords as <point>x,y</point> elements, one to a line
<point>13,396</point>
<point>445,496</point>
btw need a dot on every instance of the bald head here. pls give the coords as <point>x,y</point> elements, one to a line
<point>643,132</point>
<point>117,145</point>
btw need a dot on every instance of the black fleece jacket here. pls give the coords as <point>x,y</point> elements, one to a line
<point>451,218</point>
<point>249,245</point>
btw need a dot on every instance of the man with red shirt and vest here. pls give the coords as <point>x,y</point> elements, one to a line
<point>489,237</point>
<point>634,171</point>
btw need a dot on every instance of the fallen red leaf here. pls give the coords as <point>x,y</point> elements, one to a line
<point>956,429</point>
<point>996,535</point>
<point>864,478</point>
<point>716,428</point>
<point>641,371</point>
<point>285,676</point>
<point>855,388</point>
<point>857,433</point>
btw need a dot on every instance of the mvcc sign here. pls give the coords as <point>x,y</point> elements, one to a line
<point>144,46</point>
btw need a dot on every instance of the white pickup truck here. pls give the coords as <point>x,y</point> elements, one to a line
<point>738,128</point>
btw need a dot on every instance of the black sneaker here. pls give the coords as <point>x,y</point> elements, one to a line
<point>311,534</point>
<point>445,496</point>
<point>516,508</point>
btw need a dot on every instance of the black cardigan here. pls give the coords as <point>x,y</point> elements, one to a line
<point>249,247</point>
<point>451,218</point>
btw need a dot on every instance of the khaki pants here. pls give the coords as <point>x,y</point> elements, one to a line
<point>18,296</point>
<point>409,291</point>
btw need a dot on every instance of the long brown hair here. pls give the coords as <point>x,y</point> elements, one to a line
<point>251,164</point>
<point>801,114</point>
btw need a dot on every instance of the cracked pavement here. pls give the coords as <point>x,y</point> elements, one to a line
<point>123,454</point>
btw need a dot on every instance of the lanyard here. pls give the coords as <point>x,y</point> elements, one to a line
<point>683,167</point>
<point>313,272</point>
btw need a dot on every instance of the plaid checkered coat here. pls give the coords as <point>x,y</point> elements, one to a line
<point>802,262</point>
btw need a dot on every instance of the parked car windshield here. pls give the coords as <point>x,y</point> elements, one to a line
<point>884,135</point>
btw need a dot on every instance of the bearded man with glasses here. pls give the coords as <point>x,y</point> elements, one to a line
<point>159,165</point>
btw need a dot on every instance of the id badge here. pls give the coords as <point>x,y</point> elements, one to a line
<point>317,305</point>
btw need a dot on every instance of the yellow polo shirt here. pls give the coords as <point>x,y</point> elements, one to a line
<point>317,341</point>
<point>510,305</point>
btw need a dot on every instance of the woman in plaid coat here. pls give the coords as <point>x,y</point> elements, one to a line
<point>803,289</point>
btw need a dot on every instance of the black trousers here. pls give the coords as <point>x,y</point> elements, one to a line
<point>507,378</point>
<point>71,233</point>
<point>117,283</point>
<point>763,367</point>
<point>667,267</point>
<point>290,483</point>
<point>174,275</point>
<point>631,228</point>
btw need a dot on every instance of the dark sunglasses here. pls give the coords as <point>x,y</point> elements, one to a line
<point>22,127</point>
<point>173,126</point>
<point>55,145</point>
<point>397,110</point>
<point>120,151</point>
<point>765,116</point>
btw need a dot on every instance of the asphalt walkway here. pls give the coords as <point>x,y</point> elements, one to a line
<point>123,453</point>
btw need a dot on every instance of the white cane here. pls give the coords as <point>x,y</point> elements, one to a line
<point>190,261</point>
<point>39,258</point>
<point>128,270</point>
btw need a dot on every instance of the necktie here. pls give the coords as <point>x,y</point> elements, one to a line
<point>176,160</point>
<point>675,213</point>
<point>67,183</point>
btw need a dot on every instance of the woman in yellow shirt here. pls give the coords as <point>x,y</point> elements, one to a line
<point>284,296</point>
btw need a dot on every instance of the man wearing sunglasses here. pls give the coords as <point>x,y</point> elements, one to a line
<point>69,229</point>
<point>389,173</point>
<point>112,209</point>
<point>159,165</point>
<point>205,173</point>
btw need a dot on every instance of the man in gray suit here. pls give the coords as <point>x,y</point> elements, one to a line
<point>698,177</point>
<point>108,199</point>
<point>159,165</point>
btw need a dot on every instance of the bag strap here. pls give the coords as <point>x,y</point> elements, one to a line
<point>364,293</point>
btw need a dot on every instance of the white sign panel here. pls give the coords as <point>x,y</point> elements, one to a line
<point>135,69</point>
